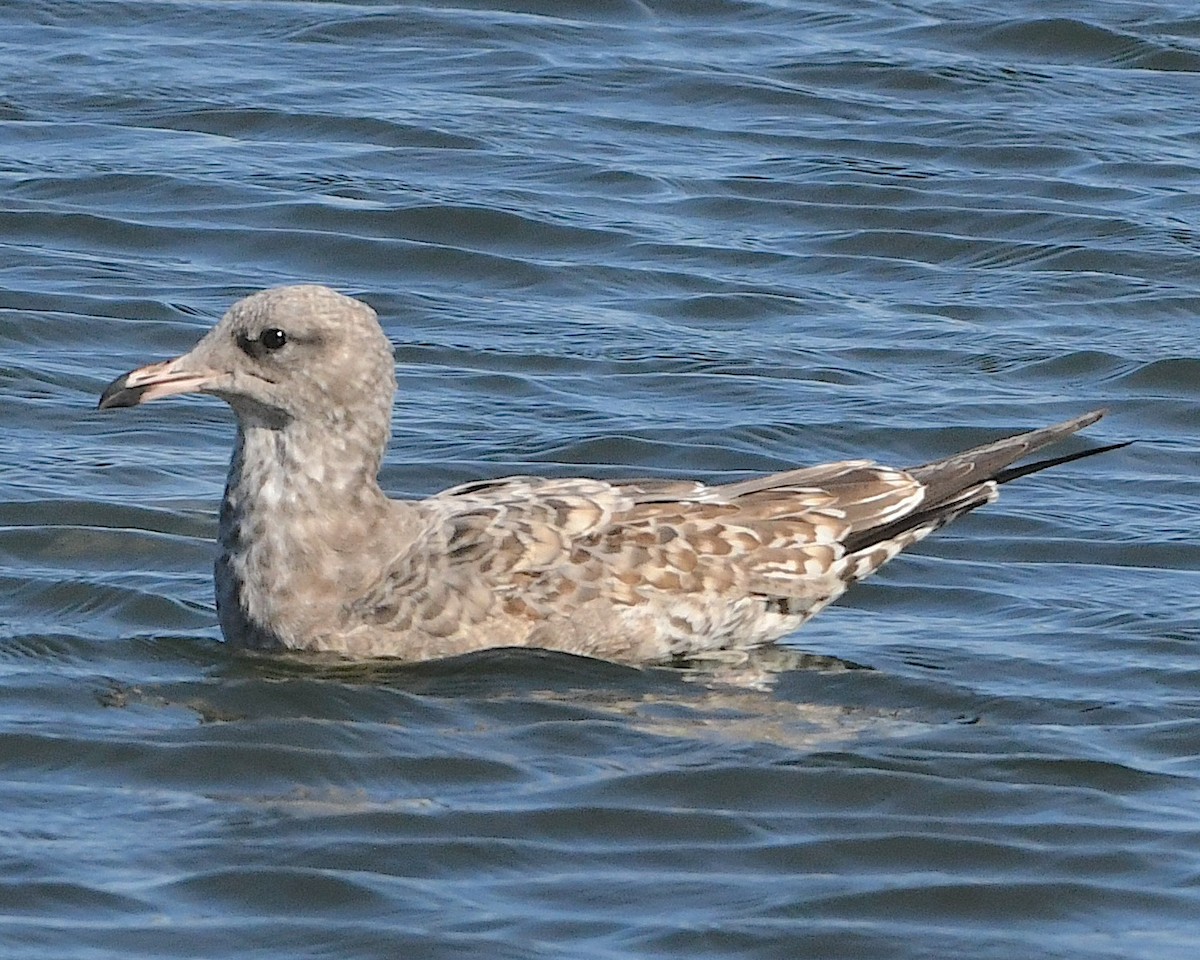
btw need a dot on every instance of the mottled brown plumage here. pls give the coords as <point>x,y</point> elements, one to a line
<point>313,556</point>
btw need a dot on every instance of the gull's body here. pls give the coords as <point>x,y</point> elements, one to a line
<point>314,556</point>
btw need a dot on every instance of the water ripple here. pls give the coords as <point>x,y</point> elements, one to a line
<point>618,238</point>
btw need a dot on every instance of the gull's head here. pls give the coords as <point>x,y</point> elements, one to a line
<point>303,353</point>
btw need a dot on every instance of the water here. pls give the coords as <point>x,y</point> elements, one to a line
<point>617,238</point>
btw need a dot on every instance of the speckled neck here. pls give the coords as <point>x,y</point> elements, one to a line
<point>299,511</point>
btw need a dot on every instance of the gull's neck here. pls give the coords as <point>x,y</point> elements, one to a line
<point>299,468</point>
<point>304,524</point>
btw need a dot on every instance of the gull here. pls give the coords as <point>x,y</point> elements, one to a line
<point>314,556</point>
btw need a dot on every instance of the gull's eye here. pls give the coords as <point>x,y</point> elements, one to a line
<point>272,338</point>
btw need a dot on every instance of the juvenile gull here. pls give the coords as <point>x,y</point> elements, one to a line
<point>314,556</point>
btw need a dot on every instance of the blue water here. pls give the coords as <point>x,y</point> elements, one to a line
<point>615,239</point>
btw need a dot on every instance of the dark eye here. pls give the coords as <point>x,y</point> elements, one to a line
<point>272,338</point>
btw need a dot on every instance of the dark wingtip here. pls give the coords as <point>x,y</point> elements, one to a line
<point>1013,473</point>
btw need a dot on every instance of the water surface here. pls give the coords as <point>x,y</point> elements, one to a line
<point>612,238</point>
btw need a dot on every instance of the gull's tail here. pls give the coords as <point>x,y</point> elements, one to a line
<point>966,480</point>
